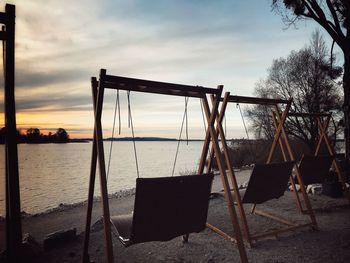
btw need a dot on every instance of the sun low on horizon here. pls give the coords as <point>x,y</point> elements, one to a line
<point>60,45</point>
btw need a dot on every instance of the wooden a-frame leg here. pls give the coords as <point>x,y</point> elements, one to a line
<point>229,166</point>
<point>284,153</point>
<point>306,199</point>
<point>230,203</point>
<point>102,169</point>
<point>86,258</point>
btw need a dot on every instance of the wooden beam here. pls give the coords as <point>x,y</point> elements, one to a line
<point>280,121</point>
<point>3,35</point>
<point>298,175</point>
<point>274,217</point>
<point>93,165</point>
<point>229,167</point>
<point>211,117</point>
<point>255,100</point>
<point>13,204</point>
<point>306,114</point>
<point>102,170</point>
<point>221,233</point>
<point>148,86</point>
<point>279,231</point>
<point>4,18</point>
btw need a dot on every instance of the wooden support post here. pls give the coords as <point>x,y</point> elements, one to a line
<point>102,168</point>
<point>230,203</point>
<point>279,131</point>
<point>13,208</point>
<point>206,144</point>
<point>86,259</point>
<point>280,142</point>
<point>291,179</point>
<point>229,167</point>
<point>299,178</point>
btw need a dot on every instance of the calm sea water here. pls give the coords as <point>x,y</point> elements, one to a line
<point>51,174</point>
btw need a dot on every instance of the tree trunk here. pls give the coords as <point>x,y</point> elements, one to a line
<point>346,106</point>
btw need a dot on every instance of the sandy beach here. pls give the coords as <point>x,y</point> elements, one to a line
<point>330,244</point>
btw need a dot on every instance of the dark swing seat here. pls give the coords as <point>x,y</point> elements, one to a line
<point>315,169</point>
<point>267,181</point>
<point>165,208</point>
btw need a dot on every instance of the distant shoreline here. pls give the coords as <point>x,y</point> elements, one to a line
<point>126,139</point>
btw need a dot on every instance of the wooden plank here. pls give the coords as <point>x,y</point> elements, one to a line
<point>274,217</point>
<point>221,233</point>
<point>3,35</point>
<point>148,86</point>
<point>306,114</point>
<point>279,231</point>
<point>4,18</point>
<point>255,100</point>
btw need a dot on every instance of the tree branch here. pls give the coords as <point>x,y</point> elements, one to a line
<point>316,13</point>
<point>334,15</point>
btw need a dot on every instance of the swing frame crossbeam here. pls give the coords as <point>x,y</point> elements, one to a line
<point>114,82</point>
<point>148,86</point>
<point>323,121</point>
<point>254,100</point>
<point>278,138</point>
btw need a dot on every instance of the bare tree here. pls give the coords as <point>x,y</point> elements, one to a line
<point>308,77</point>
<point>334,17</point>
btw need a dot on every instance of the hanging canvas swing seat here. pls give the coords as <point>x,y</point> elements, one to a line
<point>165,208</point>
<point>315,169</point>
<point>267,181</point>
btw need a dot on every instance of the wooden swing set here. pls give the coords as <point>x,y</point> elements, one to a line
<point>133,228</point>
<point>267,181</point>
<point>314,169</point>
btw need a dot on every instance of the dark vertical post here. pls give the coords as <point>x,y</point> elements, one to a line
<point>13,213</point>
<point>94,86</point>
<point>102,167</point>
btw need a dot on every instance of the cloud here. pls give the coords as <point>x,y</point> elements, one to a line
<point>61,44</point>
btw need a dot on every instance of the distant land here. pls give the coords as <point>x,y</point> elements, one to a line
<point>152,139</point>
<point>147,139</point>
<point>126,139</point>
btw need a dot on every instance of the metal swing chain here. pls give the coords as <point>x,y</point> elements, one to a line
<point>179,140</point>
<point>117,106</point>
<point>246,131</point>
<point>130,123</point>
<point>203,118</point>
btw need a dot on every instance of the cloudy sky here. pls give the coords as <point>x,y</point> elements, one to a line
<point>61,44</point>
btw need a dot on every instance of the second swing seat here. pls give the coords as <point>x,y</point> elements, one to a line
<point>267,181</point>
<point>315,169</point>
